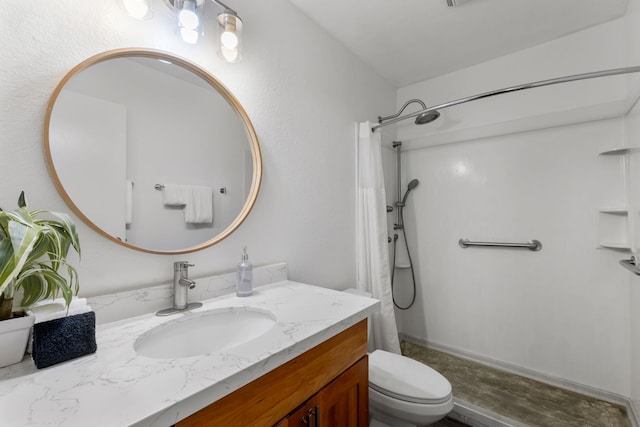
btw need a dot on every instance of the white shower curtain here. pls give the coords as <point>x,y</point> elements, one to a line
<point>373,272</point>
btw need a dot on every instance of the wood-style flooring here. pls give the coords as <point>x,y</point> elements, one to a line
<point>524,400</point>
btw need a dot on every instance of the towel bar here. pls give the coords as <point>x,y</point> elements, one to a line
<point>533,245</point>
<point>160,187</point>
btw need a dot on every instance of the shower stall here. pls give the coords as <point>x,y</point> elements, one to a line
<point>514,233</point>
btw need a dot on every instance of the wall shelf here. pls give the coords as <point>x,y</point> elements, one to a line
<point>615,245</point>
<point>615,211</point>
<point>616,151</point>
<point>615,225</point>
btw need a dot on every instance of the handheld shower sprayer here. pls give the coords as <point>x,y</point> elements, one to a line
<point>412,184</point>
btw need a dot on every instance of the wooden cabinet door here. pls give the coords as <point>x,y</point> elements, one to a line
<point>345,401</point>
<point>274,395</point>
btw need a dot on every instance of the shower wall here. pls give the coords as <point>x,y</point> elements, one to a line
<point>523,167</point>
<point>562,311</point>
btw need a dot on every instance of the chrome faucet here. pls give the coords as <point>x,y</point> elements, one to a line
<point>181,284</point>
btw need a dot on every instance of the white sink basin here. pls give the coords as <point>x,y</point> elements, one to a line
<point>204,333</point>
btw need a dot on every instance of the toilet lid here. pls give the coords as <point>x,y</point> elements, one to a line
<point>406,379</point>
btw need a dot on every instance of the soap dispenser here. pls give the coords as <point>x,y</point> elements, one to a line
<point>244,275</point>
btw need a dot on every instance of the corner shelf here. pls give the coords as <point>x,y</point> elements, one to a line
<point>615,245</point>
<point>615,211</point>
<point>615,224</point>
<point>617,151</point>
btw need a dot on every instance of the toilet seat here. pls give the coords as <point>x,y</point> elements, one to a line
<point>408,380</point>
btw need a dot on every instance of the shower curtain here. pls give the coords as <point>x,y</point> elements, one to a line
<point>373,272</point>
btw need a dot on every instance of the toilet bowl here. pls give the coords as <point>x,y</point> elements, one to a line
<point>406,393</point>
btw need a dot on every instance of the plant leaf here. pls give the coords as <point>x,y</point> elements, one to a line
<point>22,200</point>
<point>32,250</point>
<point>21,242</point>
<point>64,225</point>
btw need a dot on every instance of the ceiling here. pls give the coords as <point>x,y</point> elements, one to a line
<point>407,41</point>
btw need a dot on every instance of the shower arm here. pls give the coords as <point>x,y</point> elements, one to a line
<point>574,77</point>
<point>393,116</point>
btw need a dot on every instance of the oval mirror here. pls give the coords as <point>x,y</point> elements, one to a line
<point>152,151</point>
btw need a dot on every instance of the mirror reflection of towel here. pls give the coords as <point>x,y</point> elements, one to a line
<point>197,201</point>
<point>199,207</point>
<point>173,195</point>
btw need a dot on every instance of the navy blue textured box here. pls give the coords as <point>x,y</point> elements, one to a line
<point>58,340</point>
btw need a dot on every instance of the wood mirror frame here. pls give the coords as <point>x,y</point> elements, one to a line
<point>205,77</point>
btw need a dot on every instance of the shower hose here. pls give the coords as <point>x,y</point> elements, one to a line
<point>393,264</point>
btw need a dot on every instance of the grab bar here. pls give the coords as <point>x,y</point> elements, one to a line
<point>533,245</point>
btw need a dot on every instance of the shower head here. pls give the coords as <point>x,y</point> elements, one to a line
<point>412,184</point>
<point>421,119</point>
<point>427,117</point>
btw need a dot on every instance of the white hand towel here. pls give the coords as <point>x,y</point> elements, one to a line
<point>56,308</point>
<point>128,202</point>
<point>199,206</point>
<point>173,194</point>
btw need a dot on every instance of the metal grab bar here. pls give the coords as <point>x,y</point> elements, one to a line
<point>533,245</point>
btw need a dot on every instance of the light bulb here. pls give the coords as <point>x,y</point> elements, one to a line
<point>229,39</point>
<point>229,36</point>
<point>229,55</point>
<point>139,9</point>
<point>189,35</point>
<point>188,19</point>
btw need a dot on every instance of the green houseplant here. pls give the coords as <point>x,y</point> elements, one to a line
<point>33,247</point>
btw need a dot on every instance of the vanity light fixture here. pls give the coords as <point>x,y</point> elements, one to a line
<point>189,21</point>
<point>229,34</point>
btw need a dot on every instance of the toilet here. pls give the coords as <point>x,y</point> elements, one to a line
<point>404,392</point>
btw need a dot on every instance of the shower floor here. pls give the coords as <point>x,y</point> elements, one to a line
<point>523,400</point>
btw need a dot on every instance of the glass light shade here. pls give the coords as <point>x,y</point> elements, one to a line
<point>139,9</point>
<point>229,55</point>
<point>189,20</point>
<point>229,36</point>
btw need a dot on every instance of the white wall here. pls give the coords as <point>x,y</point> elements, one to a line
<point>633,135</point>
<point>303,98</point>
<point>562,311</point>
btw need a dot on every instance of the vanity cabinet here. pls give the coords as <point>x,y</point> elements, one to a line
<point>330,380</point>
<point>342,403</point>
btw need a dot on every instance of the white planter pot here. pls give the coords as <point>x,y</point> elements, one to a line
<point>14,335</point>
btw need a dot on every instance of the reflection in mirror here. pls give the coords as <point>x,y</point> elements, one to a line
<point>152,151</point>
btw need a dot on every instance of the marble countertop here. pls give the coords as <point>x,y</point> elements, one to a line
<point>117,387</point>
